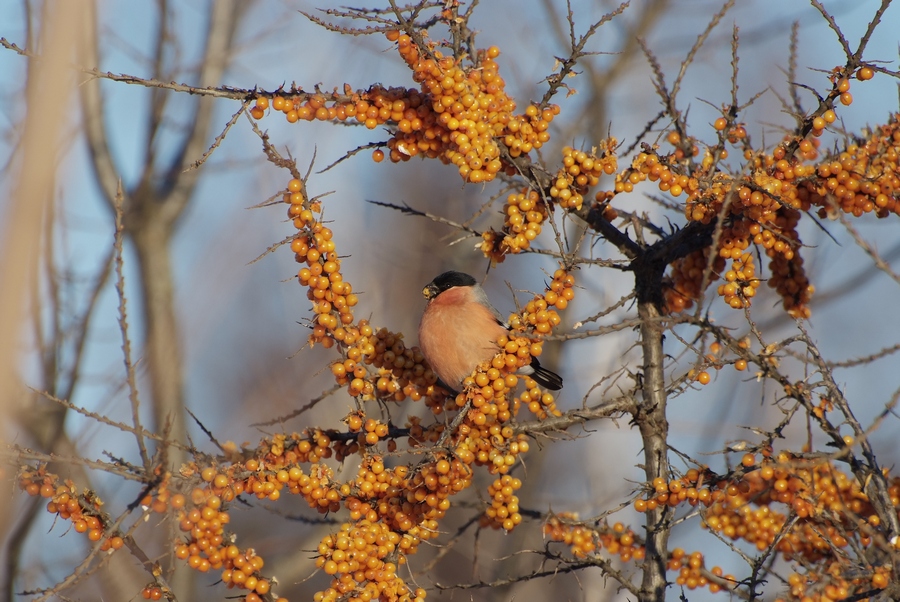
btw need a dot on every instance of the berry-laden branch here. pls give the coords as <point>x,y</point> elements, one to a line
<point>795,507</point>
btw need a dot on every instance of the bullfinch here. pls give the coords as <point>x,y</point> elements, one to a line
<point>460,329</point>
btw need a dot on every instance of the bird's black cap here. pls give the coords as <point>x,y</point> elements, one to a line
<point>446,281</point>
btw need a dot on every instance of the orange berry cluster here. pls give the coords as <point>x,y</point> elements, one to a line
<point>788,276</point>
<point>650,166</point>
<point>369,433</point>
<point>740,281</point>
<point>763,207</point>
<point>586,541</point>
<point>685,279</point>
<point>333,299</point>
<point>400,372</point>
<point>470,112</point>
<point>458,115</point>
<point>152,592</point>
<point>524,212</point>
<point>692,571</point>
<point>468,109</point>
<point>204,519</point>
<point>863,178</point>
<point>372,430</point>
<point>240,571</point>
<point>487,441</point>
<point>504,509</point>
<point>540,403</point>
<point>82,510</point>
<point>831,586</point>
<point>377,364</point>
<point>386,522</point>
<point>830,505</point>
<point>487,392</point>
<point>538,314</point>
<point>375,496</point>
<point>687,489</point>
<point>305,106</point>
<point>715,360</point>
<point>580,171</point>
<point>490,400</point>
<point>819,492</point>
<point>358,555</point>
<point>392,510</point>
<point>406,502</point>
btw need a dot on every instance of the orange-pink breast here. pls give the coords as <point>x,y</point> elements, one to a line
<point>456,334</point>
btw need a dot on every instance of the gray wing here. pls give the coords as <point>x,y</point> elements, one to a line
<point>481,297</point>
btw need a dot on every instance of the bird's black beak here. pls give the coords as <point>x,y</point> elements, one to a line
<point>430,291</point>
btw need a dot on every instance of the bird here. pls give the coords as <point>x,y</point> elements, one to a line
<point>460,329</point>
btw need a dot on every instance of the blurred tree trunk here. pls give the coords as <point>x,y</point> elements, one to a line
<point>153,207</point>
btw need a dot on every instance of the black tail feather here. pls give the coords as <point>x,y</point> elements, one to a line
<point>544,377</point>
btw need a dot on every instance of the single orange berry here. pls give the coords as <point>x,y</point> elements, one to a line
<point>865,73</point>
<point>378,155</point>
<point>703,378</point>
<point>720,124</point>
